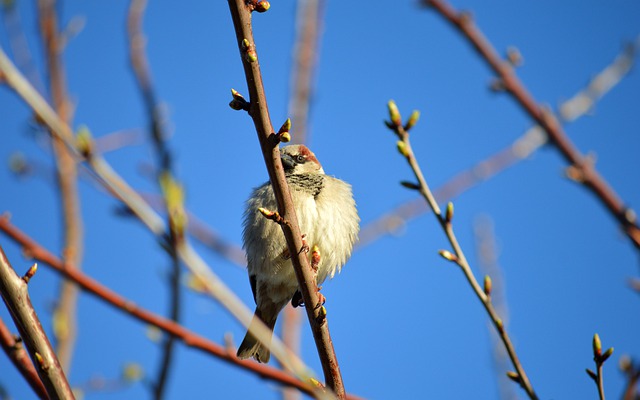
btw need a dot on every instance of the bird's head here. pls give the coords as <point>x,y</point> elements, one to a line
<point>298,159</point>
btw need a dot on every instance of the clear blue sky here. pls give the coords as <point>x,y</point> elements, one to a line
<point>405,324</point>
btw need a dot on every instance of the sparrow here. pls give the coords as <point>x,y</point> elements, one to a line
<point>327,217</point>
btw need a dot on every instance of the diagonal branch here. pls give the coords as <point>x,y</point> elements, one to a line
<point>16,297</point>
<point>585,172</point>
<point>259,112</point>
<point>529,142</point>
<point>16,353</point>
<point>119,189</point>
<point>123,304</point>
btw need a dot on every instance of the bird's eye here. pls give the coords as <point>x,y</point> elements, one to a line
<point>300,158</point>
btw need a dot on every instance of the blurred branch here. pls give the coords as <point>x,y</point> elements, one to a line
<point>176,214</point>
<point>12,346</point>
<point>305,59</point>
<point>291,324</point>
<point>16,297</point>
<point>118,188</point>
<point>488,263</point>
<point>258,110</point>
<point>65,314</point>
<point>529,142</point>
<point>632,373</point>
<point>190,339</point>
<point>582,167</point>
<point>445,220</point>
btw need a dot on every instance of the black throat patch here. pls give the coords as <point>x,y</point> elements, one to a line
<point>309,183</point>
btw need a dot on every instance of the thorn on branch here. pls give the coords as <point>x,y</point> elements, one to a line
<point>30,273</point>
<point>249,49</point>
<point>238,102</point>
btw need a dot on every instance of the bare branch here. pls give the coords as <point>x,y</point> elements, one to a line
<point>117,187</point>
<point>16,297</point>
<point>241,15</point>
<point>16,353</point>
<point>586,173</point>
<point>123,304</point>
<point>458,257</point>
<point>529,142</point>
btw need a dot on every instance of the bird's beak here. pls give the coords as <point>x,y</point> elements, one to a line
<point>287,162</point>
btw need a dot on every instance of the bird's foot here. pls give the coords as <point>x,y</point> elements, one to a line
<point>296,300</point>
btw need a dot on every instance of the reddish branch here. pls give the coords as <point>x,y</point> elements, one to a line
<point>188,337</point>
<point>65,327</point>
<point>16,296</point>
<point>586,172</point>
<point>259,112</point>
<point>16,353</point>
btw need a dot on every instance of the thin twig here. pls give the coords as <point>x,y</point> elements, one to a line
<point>599,358</point>
<point>65,314</point>
<point>585,172</point>
<point>140,67</point>
<point>529,142</point>
<point>458,256</point>
<point>241,15</point>
<point>118,188</point>
<point>123,304</point>
<point>16,353</point>
<point>16,296</point>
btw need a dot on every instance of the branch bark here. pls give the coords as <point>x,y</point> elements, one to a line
<point>123,304</point>
<point>586,173</point>
<point>259,112</point>
<point>16,353</point>
<point>16,297</point>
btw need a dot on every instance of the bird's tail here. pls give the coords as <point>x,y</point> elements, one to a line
<point>251,346</point>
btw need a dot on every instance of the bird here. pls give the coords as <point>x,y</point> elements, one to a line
<point>328,219</point>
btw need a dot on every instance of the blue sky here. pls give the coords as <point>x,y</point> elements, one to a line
<point>404,322</point>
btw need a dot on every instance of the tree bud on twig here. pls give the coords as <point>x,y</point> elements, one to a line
<point>410,185</point>
<point>403,148</point>
<point>250,54</point>
<point>513,376</point>
<point>592,374</point>
<point>606,354</point>
<point>413,119</point>
<point>597,346</point>
<point>262,6</point>
<point>30,273</point>
<point>283,134</point>
<point>447,255</point>
<point>84,142</point>
<point>394,114</point>
<point>448,216</point>
<point>488,285</point>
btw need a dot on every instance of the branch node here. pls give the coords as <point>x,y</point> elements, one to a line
<point>283,134</point>
<point>449,256</point>
<point>84,142</point>
<point>412,121</point>
<point>315,258</point>
<point>322,315</point>
<point>394,114</point>
<point>273,215</point>
<point>238,102</point>
<point>488,285</point>
<point>249,49</point>
<point>30,273</point>
<point>410,185</point>
<point>514,57</point>
<point>514,376</point>
<point>448,216</point>
<point>40,361</point>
